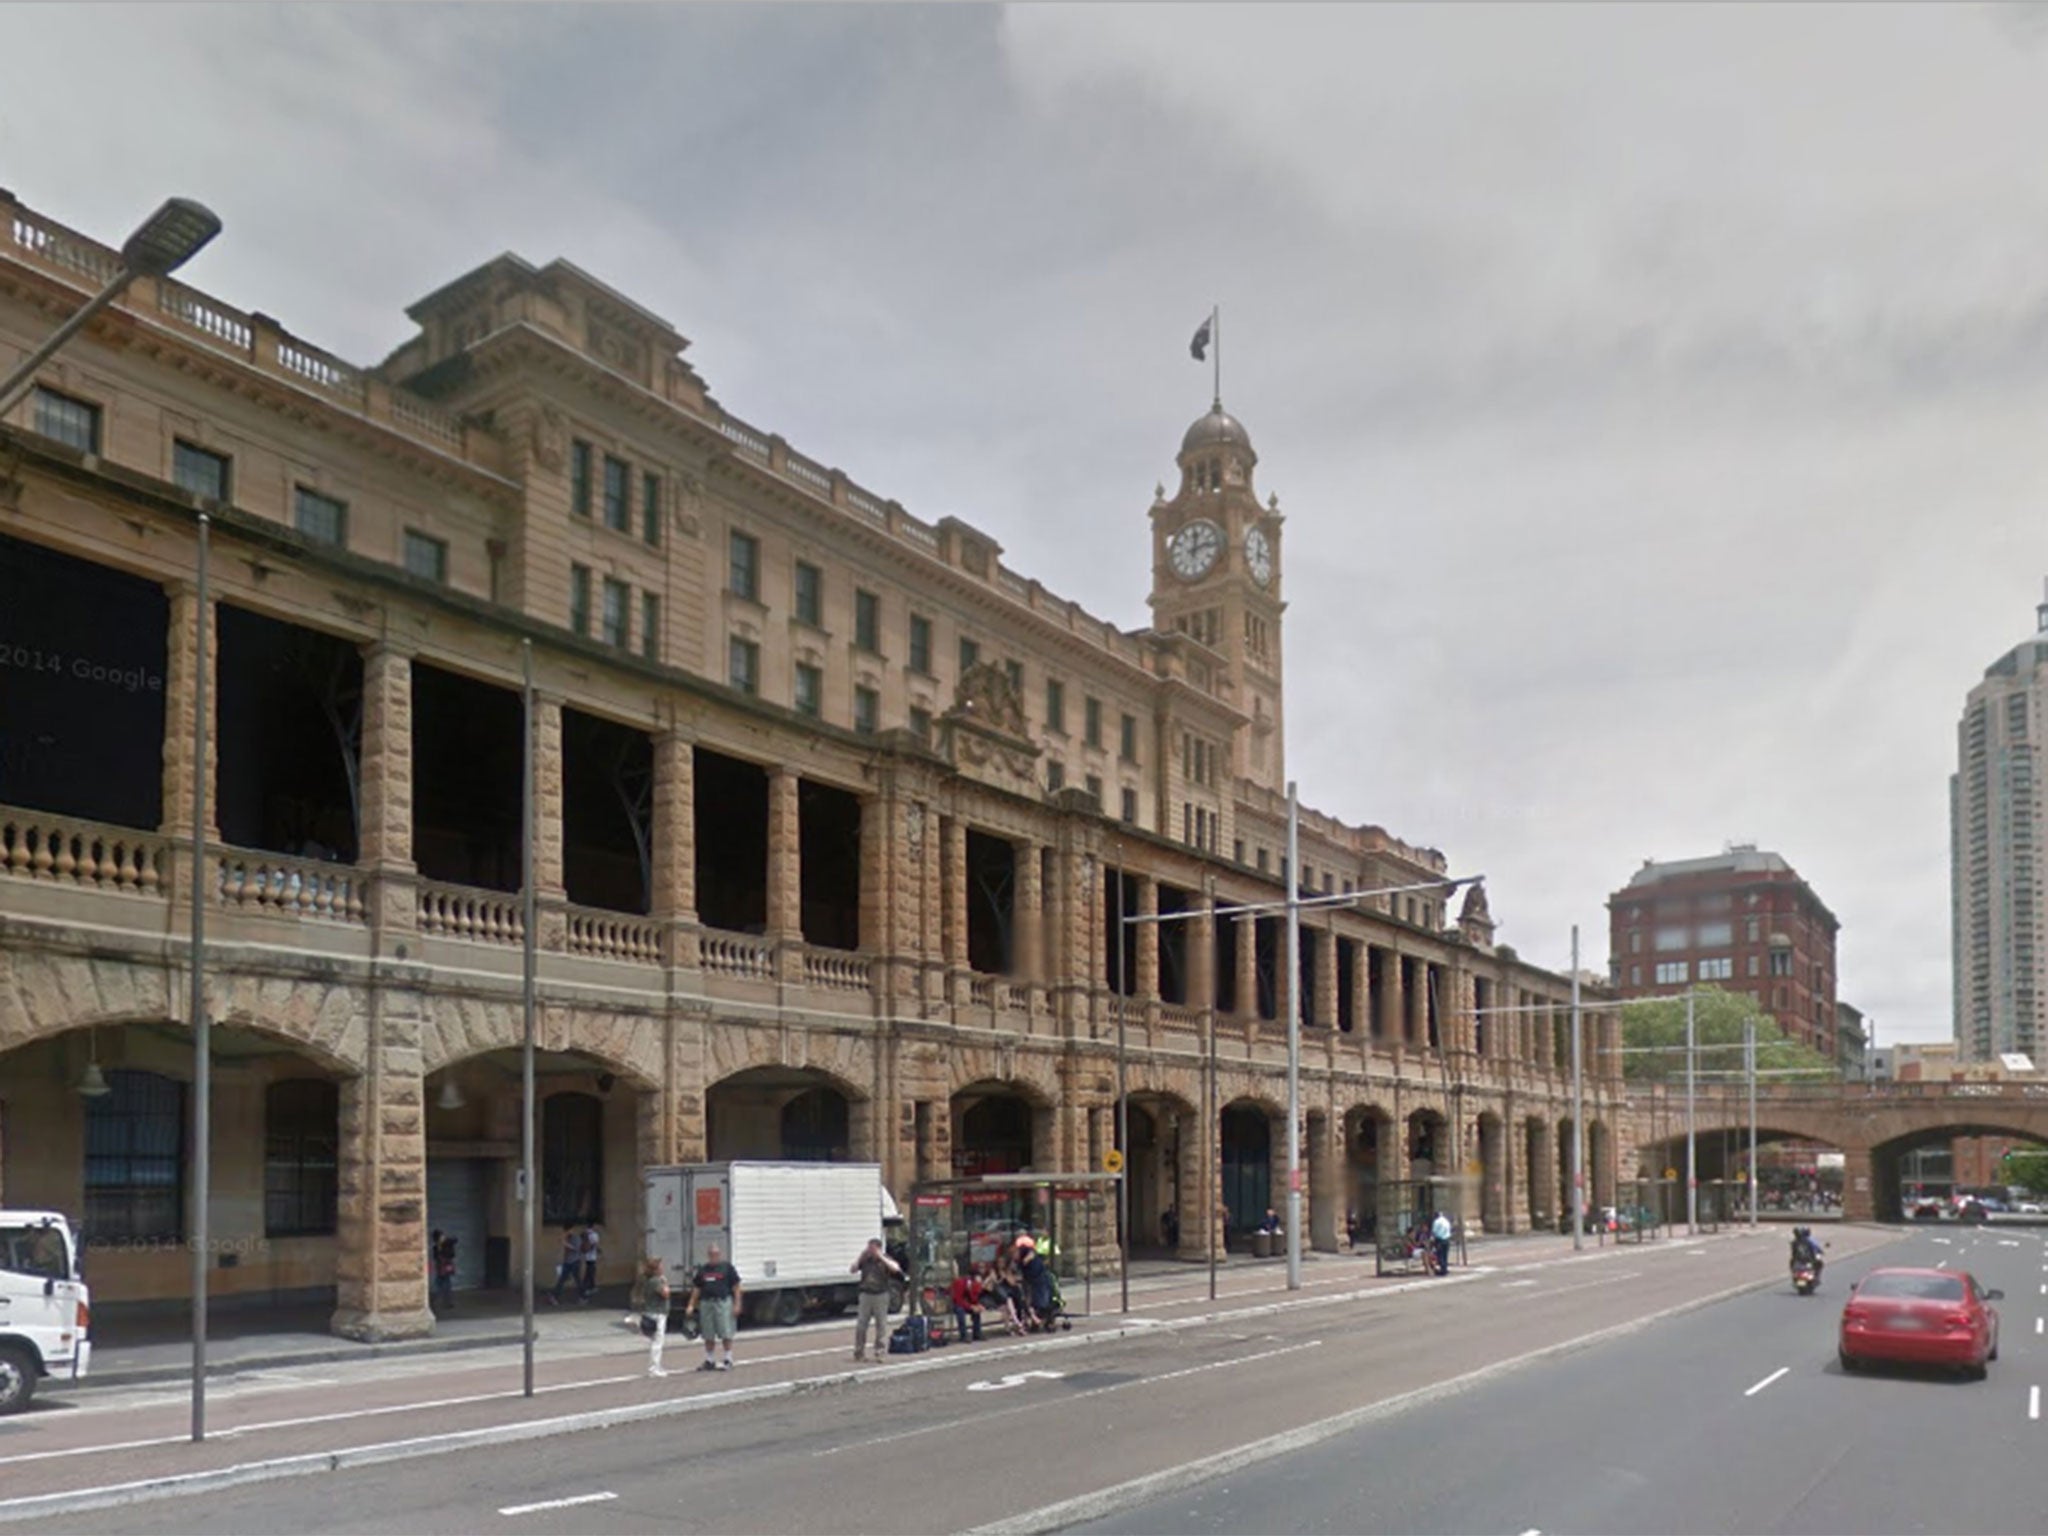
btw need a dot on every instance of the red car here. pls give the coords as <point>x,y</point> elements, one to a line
<point>1920,1317</point>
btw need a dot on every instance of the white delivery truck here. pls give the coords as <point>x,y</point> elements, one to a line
<point>792,1230</point>
<point>45,1312</point>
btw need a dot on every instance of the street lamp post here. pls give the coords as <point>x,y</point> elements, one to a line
<point>161,244</point>
<point>1749,1068</point>
<point>1692,1170</point>
<point>1578,1110</point>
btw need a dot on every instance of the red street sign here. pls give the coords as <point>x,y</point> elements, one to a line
<point>1294,1179</point>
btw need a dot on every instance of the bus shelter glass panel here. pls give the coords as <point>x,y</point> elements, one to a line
<point>956,1223</point>
<point>1406,1212</point>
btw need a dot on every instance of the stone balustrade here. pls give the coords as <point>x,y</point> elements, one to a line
<point>732,954</point>
<point>459,912</point>
<point>265,882</point>
<point>837,971</point>
<point>613,935</point>
<point>35,846</point>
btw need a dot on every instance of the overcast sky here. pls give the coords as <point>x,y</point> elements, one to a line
<point>1655,395</point>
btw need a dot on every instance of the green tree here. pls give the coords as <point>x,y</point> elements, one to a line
<point>1656,1033</point>
<point>2026,1167</point>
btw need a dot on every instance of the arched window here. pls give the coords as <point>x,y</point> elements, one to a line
<point>572,1158</point>
<point>135,1158</point>
<point>301,1144</point>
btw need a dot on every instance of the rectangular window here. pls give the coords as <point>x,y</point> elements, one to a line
<point>618,494</point>
<point>198,472</point>
<point>1091,722</point>
<point>1127,740</point>
<point>579,478</point>
<point>1635,941</point>
<point>1755,929</point>
<point>1130,804</point>
<point>650,626</point>
<point>744,554</point>
<point>920,644</point>
<point>1262,861</point>
<point>650,507</point>
<point>867,621</point>
<point>970,655</point>
<point>1237,850</point>
<point>301,1145</point>
<point>743,665</point>
<point>810,690</point>
<point>1670,972</point>
<point>618,598</point>
<point>921,724</point>
<point>1669,939</point>
<point>867,710</point>
<point>1014,671</point>
<point>1055,704</point>
<point>1635,975</point>
<point>1055,774</point>
<point>1716,935</point>
<point>1095,790</point>
<point>810,595</point>
<point>1781,962</point>
<point>135,1158</point>
<point>426,557</point>
<point>1719,968</point>
<point>579,599</point>
<point>1756,967</point>
<point>72,422</point>
<point>322,519</point>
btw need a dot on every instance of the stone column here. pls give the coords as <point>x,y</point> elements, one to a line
<point>380,1269</point>
<point>1144,942</point>
<point>181,692</point>
<point>953,874</point>
<point>385,789</point>
<point>1859,1195</point>
<point>672,894</point>
<point>1325,979</point>
<point>1029,961</point>
<point>785,859</point>
<point>1201,951</point>
<point>1415,1027</point>
<point>1361,994</point>
<point>1247,930</point>
<point>1325,1188</point>
<point>1393,1009</point>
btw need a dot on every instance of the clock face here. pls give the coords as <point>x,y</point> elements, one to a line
<point>1194,549</point>
<point>1258,556</point>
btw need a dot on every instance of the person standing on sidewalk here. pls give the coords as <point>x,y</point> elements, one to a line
<point>875,1268</point>
<point>654,1302</point>
<point>587,1288</point>
<point>1440,1240</point>
<point>570,1264</point>
<point>715,1302</point>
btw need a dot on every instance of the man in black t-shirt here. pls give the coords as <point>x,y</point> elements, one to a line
<point>715,1300</point>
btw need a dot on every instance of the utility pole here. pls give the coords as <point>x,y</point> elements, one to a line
<point>202,1022</point>
<point>1123,1099</point>
<point>1749,1068</point>
<point>1578,1110</point>
<point>1692,1168</point>
<point>1293,1039</point>
<point>529,910</point>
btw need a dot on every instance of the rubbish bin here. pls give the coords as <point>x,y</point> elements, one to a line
<point>1262,1245</point>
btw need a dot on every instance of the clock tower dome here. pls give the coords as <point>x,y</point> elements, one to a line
<point>1216,579</point>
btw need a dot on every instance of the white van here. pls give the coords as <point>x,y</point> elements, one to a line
<point>45,1311</point>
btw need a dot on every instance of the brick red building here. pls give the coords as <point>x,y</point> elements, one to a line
<point>1742,920</point>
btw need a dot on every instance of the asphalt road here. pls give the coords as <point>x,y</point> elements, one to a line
<point>1733,1418</point>
<point>962,1448</point>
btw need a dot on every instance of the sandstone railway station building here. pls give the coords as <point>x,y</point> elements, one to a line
<point>836,817</point>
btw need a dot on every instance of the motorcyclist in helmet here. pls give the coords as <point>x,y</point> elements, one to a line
<point>1806,1251</point>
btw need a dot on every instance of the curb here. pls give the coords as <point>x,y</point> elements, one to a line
<point>145,1375</point>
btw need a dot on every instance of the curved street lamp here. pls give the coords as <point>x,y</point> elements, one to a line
<point>161,244</point>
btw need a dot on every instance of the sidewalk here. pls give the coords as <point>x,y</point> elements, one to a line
<point>155,1345</point>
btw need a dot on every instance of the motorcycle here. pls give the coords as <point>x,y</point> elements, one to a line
<point>1805,1278</point>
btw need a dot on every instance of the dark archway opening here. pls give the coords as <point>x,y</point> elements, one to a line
<point>1120,940</point>
<point>1266,946</point>
<point>1226,963</point>
<point>992,1134</point>
<point>1347,986</point>
<point>991,904</point>
<point>466,780</point>
<point>788,1114</point>
<point>1247,1169</point>
<point>731,817</point>
<point>1173,946</point>
<point>828,822</point>
<point>83,655</point>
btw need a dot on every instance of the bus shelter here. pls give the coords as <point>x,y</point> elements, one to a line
<point>1645,1209</point>
<point>1406,1211</point>
<point>958,1222</point>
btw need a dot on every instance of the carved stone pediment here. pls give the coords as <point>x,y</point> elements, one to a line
<point>983,734</point>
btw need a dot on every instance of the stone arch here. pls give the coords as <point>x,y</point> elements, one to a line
<point>805,1114</point>
<point>846,1059</point>
<point>1163,1128</point>
<point>1251,1132</point>
<point>44,995</point>
<point>1372,1161</point>
<point>1001,1125</point>
<point>457,1029</point>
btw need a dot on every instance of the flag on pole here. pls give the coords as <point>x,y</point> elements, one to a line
<point>1199,347</point>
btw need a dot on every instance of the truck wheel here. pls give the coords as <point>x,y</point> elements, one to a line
<point>789,1308</point>
<point>17,1378</point>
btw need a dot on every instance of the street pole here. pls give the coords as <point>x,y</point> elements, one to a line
<point>1749,1067</point>
<point>202,1024</point>
<point>1123,1101</point>
<point>1293,1039</point>
<point>530,958</point>
<point>1578,1110</point>
<point>1692,1180</point>
<point>1210,1134</point>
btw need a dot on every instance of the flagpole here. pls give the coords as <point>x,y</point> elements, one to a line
<point>1216,334</point>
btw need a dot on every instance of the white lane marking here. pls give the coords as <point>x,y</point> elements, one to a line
<point>1509,1285</point>
<point>2037,1325</point>
<point>1532,1531</point>
<point>2033,1402</point>
<point>981,1418</point>
<point>1944,1265</point>
<point>1945,1242</point>
<point>581,1498</point>
<point>2008,1242</point>
<point>1004,1383</point>
<point>1780,1371</point>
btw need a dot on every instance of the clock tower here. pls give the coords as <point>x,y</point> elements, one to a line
<point>1216,579</point>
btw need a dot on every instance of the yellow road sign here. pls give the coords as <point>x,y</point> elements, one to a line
<point>1113,1161</point>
